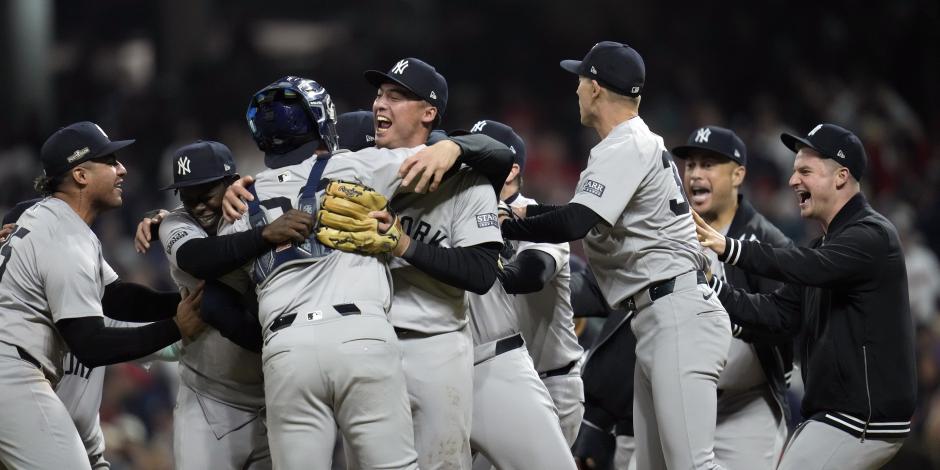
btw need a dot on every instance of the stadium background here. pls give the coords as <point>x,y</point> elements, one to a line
<point>170,71</point>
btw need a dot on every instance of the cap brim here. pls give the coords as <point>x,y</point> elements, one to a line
<point>683,151</point>
<point>110,148</point>
<point>794,143</point>
<point>573,66</point>
<point>186,184</point>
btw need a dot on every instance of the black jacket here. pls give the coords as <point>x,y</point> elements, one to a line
<point>774,353</point>
<point>846,296</point>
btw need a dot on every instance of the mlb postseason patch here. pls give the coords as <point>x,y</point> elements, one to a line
<point>487,220</point>
<point>175,236</point>
<point>593,187</point>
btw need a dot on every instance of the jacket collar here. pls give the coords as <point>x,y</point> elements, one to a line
<point>299,154</point>
<point>857,204</point>
<point>511,199</point>
<point>742,216</point>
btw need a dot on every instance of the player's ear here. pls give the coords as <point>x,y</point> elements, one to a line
<point>80,175</point>
<point>430,113</point>
<point>737,175</point>
<point>513,173</point>
<point>595,89</point>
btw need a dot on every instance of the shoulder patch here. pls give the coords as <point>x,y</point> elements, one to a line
<point>487,220</point>
<point>593,187</point>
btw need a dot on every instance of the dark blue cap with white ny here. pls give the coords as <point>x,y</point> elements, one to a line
<point>616,66</point>
<point>504,135</point>
<point>74,144</point>
<point>417,76</point>
<point>833,142</point>
<point>200,162</point>
<point>716,140</point>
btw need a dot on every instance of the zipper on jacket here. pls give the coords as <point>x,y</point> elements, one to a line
<point>867,391</point>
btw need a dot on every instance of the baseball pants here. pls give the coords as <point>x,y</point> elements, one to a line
<point>343,372</point>
<point>819,446</point>
<point>515,425</point>
<point>439,373</point>
<point>211,434</point>
<point>36,430</point>
<point>625,453</point>
<point>682,347</point>
<point>567,392</point>
<point>751,430</point>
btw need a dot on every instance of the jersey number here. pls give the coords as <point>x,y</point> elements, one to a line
<point>679,204</point>
<point>6,249</point>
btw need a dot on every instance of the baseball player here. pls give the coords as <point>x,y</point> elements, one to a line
<point>456,248</point>
<point>847,297</point>
<point>639,238</point>
<point>515,422</point>
<point>752,407</point>
<point>331,306</point>
<point>355,130</point>
<point>54,287</point>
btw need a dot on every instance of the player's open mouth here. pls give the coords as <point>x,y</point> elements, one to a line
<point>699,194</point>
<point>382,123</point>
<point>803,197</point>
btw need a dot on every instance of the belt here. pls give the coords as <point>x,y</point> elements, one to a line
<point>563,370</point>
<point>508,344</point>
<point>486,351</point>
<point>287,319</point>
<point>28,357</point>
<point>658,290</point>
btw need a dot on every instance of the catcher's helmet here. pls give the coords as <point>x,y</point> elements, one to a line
<point>290,112</point>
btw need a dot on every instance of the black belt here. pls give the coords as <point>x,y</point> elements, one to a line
<point>563,370</point>
<point>508,344</point>
<point>28,357</point>
<point>287,319</point>
<point>661,289</point>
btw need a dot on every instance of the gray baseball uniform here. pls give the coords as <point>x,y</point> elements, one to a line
<point>431,317</point>
<point>515,424</point>
<point>647,255</point>
<point>51,268</point>
<point>330,356</point>
<point>547,324</point>
<point>217,421</point>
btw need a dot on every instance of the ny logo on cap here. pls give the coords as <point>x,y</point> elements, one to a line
<point>182,166</point>
<point>478,127</point>
<point>400,67</point>
<point>815,129</point>
<point>702,135</point>
<point>840,154</point>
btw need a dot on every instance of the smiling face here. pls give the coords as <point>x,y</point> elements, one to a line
<point>402,120</point>
<point>817,181</point>
<point>103,179</point>
<point>711,182</point>
<point>204,203</point>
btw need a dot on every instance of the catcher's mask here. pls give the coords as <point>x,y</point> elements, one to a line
<point>291,112</point>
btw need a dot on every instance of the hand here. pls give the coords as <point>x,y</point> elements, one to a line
<point>232,205</point>
<point>145,228</point>
<point>5,231</point>
<point>187,317</point>
<point>519,211</point>
<point>386,221</point>
<point>707,236</point>
<point>292,226</point>
<point>429,165</point>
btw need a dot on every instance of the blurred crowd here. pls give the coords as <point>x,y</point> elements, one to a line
<point>167,79</point>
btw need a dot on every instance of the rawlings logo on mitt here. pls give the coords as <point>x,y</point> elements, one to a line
<point>343,221</point>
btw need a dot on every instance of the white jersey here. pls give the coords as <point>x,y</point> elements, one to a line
<point>318,276</point>
<point>649,235</point>
<point>462,212</point>
<point>546,317</point>
<point>211,364</point>
<point>51,268</point>
<point>492,315</point>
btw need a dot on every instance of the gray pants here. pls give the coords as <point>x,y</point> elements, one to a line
<point>751,431</point>
<point>36,430</point>
<point>346,372</point>
<point>515,425</point>
<point>439,373</point>
<point>819,446</point>
<point>682,346</point>
<point>211,434</point>
<point>625,454</point>
<point>567,392</point>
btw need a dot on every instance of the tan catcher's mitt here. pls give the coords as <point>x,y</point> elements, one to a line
<point>343,221</point>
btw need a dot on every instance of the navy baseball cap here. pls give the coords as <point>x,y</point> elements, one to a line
<point>717,140</point>
<point>356,130</point>
<point>616,66</point>
<point>74,144</point>
<point>418,77</point>
<point>504,135</point>
<point>833,142</point>
<point>203,161</point>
